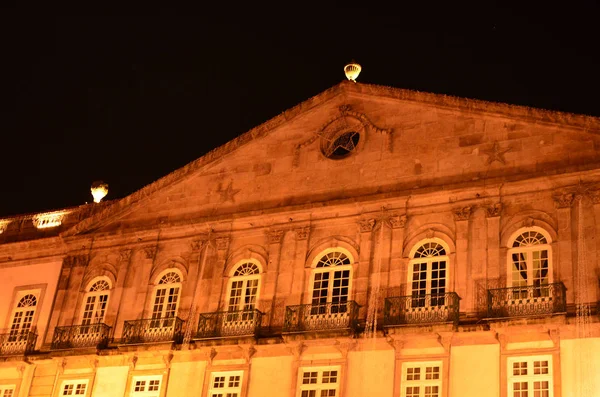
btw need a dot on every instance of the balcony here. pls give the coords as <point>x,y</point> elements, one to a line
<point>17,343</point>
<point>153,330</point>
<point>421,309</point>
<point>527,300</point>
<point>80,336</point>
<point>228,324</point>
<point>325,317</point>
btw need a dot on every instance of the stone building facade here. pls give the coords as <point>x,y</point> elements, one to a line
<point>369,241</point>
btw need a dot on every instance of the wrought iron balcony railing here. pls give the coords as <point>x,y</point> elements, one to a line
<point>228,324</point>
<point>153,330</point>
<point>17,343</point>
<point>78,336</point>
<point>325,317</point>
<point>421,309</point>
<point>528,300</point>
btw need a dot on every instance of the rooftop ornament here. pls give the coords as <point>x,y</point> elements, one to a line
<point>352,71</point>
<point>48,219</point>
<point>4,225</point>
<point>99,190</point>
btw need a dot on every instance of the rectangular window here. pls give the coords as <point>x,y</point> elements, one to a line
<point>226,384</point>
<point>319,382</point>
<point>530,376</point>
<point>423,379</point>
<point>7,391</point>
<point>74,387</point>
<point>146,386</point>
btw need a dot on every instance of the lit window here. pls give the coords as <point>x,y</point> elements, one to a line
<point>331,282</point>
<point>226,384</point>
<point>7,391</point>
<point>244,286</point>
<point>74,388</point>
<point>530,262</point>
<point>96,300</point>
<point>166,296</point>
<point>146,386</point>
<point>422,379</point>
<point>530,376</point>
<point>427,276</point>
<point>22,320</point>
<point>319,382</point>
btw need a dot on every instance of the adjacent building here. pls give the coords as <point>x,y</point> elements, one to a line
<point>371,241</point>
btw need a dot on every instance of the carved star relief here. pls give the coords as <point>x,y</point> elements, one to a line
<point>496,153</point>
<point>227,194</point>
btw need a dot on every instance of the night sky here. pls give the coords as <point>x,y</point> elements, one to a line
<point>128,99</point>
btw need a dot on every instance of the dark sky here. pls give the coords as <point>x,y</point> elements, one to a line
<point>128,99</point>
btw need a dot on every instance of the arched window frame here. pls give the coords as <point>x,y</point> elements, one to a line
<point>429,265</point>
<point>166,311</point>
<point>23,317</point>
<point>95,301</point>
<point>529,251</point>
<point>317,271</point>
<point>245,280</point>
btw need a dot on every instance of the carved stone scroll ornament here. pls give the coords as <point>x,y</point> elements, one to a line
<point>462,214</point>
<point>397,221</point>
<point>125,255</point>
<point>197,245</point>
<point>296,349</point>
<point>563,200</point>
<point>494,210</point>
<point>150,251</point>
<point>366,225</point>
<point>75,261</point>
<point>222,243</point>
<point>302,233</point>
<point>275,236</point>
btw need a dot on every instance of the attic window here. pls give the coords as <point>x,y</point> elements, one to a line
<point>342,145</point>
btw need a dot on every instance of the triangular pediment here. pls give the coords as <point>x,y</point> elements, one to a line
<point>357,140</point>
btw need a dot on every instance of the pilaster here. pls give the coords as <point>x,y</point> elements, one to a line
<point>563,268</point>
<point>463,285</point>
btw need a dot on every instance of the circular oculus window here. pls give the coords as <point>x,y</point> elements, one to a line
<point>341,146</point>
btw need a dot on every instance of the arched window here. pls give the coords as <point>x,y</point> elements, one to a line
<point>529,259</point>
<point>23,314</point>
<point>166,296</point>
<point>428,272</point>
<point>96,301</point>
<point>244,288</point>
<point>331,279</point>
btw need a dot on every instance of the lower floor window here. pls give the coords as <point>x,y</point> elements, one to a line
<point>319,382</point>
<point>226,384</point>
<point>530,376</point>
<point>73,388</point>
<point>422,379</point>
<point>146,386</point>
<point>7,391</point>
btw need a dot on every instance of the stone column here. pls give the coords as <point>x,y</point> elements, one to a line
<point>492,271</point>
<point>595,197</point>
<point>69,278</point>
<point>397,271</point>
<point>142,281</point>
<point>364,269</point>
<point>112,317</point>
<point>277,307</point>
<point>463,285</point>
<point>191,284</point>
<point>299,278</point>
<point>563,259</point>
<point>222,244</point>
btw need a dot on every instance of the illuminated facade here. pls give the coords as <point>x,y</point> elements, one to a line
<point>369,241</point>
